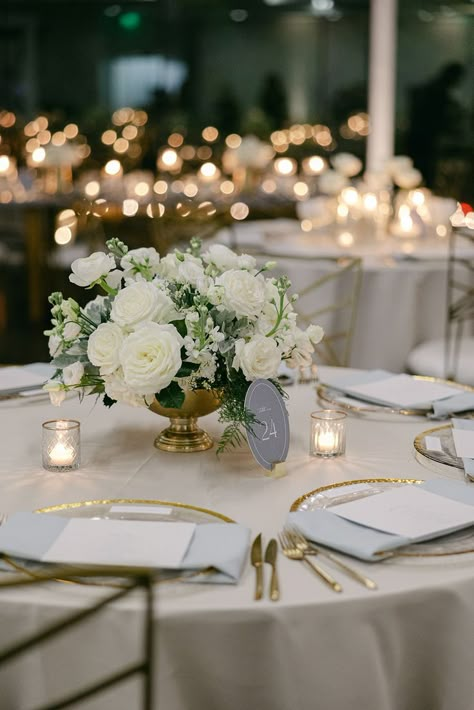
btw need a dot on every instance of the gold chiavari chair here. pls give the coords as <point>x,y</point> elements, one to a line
<point>130,580</point>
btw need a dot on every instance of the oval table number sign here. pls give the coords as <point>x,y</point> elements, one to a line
<point>269,438</point>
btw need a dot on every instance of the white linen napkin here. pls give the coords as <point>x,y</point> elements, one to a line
<point>326,528</point>
<point>463,402</point>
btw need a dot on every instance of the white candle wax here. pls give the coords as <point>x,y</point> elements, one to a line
<point>326,441</point>
<point>61,455</point>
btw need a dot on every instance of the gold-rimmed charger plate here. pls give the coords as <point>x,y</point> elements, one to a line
<point>459,543</point>
<point>448,454</point>
<point>152,509</point>
<point>331,395</point>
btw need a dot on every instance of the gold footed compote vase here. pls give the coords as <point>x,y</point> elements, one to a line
<point>183,433</point>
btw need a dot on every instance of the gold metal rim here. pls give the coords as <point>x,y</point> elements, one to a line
<point>417,443</point>
<point>295,505</point>
<point>114,501</point>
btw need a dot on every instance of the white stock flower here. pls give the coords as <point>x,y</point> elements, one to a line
<point>347,164</point>
<point>144,256</point>
<point>104,346</point>
<point>151,357</point>
<point>72,374</point>
<point>242,292</point>
<point>56,391</point>
<point>90,268</point>
<point>55,345</point>
<point>70,309</point>
<point>115,388</point>
<point>315,333</point>
<point>141,301</point>
<point>260,357</point>
<point>221,257</point>
<point>71,330</point>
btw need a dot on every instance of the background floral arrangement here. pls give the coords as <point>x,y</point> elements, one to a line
<point>189,320</point>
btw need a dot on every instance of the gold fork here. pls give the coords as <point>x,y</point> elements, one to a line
<point>309,548</point>
<point>290,550</point>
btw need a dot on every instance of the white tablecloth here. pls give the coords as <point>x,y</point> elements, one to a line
<point>403,296</point>
<point>407,646</point>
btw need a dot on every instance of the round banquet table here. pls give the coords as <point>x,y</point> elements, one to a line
<point>406,646</point>
<point>404,283</point>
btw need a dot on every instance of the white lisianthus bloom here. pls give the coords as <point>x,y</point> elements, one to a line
<point>146,257</point>
<point>242,292</point>
<point>89,269</point>
<point>247,262</point>
<point>190,270</point>
<point>55,345</point>
<point>221,257</point>
<point>104,346</point>
<point>315,333</point>
<point>260,357</point>
<point>141,301</point>
<point>72,374</point>
<point>347,164</point>
<point>115,388</point>
<point>151,357</point>
<point>114,278</point>
<point>71,330</point>
<point>168,267</point>
<point>56,391</point>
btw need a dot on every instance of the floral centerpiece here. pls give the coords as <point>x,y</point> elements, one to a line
<point>165,326</point>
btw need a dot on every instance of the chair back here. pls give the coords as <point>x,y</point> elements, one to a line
<point>460,298</point>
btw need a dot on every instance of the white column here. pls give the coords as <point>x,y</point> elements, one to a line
<point>382,80</point>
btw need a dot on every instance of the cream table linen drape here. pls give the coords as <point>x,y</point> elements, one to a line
<point>407,646</point>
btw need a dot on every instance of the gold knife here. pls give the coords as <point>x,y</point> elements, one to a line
<point>257,561</point>
<point>270,558</point>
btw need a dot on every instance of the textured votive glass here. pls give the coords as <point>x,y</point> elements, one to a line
<point>328,433</point>
<point>61,445</point>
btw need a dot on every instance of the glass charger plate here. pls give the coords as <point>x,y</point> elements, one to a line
<point>330,395</point>
<point>124,509</point>
<point>325,497</point>
<point>448,455</point>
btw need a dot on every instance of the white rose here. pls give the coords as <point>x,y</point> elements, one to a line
<point>221,257</point>
<point>141,301</point>
<point>115,388</point>
<point>145,256</point>
<point>104,346</point>
<point>242,292</point>
<point>89,269</point>
<point>151,357</point>
<point>260,357</point>
<point>55,345</point>
<point>56,391</point>
<point>71,330</point>
<point>347,164</point>
<point>72,374</point>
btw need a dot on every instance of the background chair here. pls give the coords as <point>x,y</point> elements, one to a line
<point>130,581</point>
<point>452,357</point>
<point>328,291</point>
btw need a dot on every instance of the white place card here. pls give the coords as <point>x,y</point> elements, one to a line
<point>464,443</point>
<point>408,511</point>
<point>433,443</point>
<point>403,391</point>
<point>135,543</point>
<point>18,378</point>
<point>141,509</point>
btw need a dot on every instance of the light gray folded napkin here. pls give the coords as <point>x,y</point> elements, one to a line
<point>327,528</point>
<point>443,408</point>
<point>467,424</point>
<point>220,545</point>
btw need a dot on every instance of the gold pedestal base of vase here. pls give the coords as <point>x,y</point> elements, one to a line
<point>183,434</point>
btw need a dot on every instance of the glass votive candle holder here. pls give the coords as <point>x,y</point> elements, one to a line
<point>61,445</point>
<point>328,433</point>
